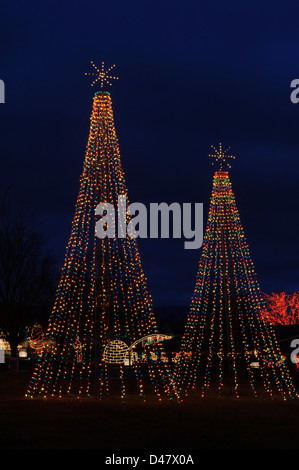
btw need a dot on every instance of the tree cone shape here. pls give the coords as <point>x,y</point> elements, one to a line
<point>102,297</point>
<point>226,346</point>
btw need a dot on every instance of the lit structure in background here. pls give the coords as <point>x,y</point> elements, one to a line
<point>281,308</point>
<point>118,352</point>
<point>102,75</point>
<point>102,301</point>
<point>226,345</point>
<point>36,339</point>
<point>5,345</point>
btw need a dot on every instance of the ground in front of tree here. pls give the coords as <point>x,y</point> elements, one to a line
<point>209,423</point>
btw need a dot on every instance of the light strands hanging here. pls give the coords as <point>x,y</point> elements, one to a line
<point>102,296</point>
<point>227,346</point>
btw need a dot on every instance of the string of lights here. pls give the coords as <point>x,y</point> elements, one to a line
<point>102,299</point>
<point>227,345</point>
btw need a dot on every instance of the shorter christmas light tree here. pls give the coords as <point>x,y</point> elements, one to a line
<point>102,331</point>
<point>227,346</point>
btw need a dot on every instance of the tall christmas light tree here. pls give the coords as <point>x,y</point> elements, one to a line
<point>102,324</point>
<point>226,345</point>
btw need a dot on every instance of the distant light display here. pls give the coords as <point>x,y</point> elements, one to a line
<point>36,339</point>
<point>281,308</point>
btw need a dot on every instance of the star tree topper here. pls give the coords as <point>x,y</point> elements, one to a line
<point>221,156</point>
<point>102,75</point>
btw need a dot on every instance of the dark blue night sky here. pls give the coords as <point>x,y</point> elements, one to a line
<point>192,74</point>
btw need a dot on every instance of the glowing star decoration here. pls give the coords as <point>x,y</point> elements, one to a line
<point>221,156</point>
<point>102,75</point>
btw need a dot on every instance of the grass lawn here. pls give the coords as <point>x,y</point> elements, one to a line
<point>209,423</point>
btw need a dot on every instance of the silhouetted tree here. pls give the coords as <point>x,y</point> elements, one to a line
<point>27,275</point>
